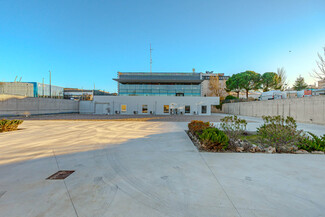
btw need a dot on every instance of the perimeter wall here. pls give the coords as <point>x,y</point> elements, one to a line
<point>306,110</point>
<point>21,106</point>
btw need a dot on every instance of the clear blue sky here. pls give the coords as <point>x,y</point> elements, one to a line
<point>87,42</point>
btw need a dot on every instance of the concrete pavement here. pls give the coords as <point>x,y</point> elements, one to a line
<point>148,169</point>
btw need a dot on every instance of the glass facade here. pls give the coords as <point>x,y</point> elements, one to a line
<point>159,89</point>
<point>43,90</point>
<point>162,77</point>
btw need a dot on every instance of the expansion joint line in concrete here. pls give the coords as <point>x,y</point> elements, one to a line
<point>206,163</point>
<point>66,187</point>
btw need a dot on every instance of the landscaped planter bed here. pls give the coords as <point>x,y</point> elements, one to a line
<point>276,135</point>
<point>244,146</point>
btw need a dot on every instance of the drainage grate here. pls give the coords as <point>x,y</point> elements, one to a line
<point>62,174</point>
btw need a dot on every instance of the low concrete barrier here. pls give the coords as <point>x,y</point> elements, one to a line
<point>306,110</point>
<point>35,106</point>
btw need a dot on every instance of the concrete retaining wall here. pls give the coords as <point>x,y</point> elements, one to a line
<point>37,106</point>
<point>306,110</point>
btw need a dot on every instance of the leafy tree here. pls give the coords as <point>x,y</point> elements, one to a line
<point>269,80</point>
<point>232,84</point>
<point>282,79</point>
<point>300,84</point>
<point>249,80</point>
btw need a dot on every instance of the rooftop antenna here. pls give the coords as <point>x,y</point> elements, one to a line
<point>94,90</point>
<point>20,79</point>
<point>17,76</point>
<point>150,59</point>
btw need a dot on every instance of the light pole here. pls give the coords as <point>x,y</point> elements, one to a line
<point>50,85</point>
<point>43,87</point>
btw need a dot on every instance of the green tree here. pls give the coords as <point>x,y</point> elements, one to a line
<point>269,81</point>
<point>300,84</point>
<point>249,80</point>
<point>232,84</point>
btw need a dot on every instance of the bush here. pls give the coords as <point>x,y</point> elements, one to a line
<point>196,127</point>
<point>313,143</point>
<point>280,132</point>
<point>233,126</point>
<point>213,139</point>
<point>230,97</point>
<point>9,125</point>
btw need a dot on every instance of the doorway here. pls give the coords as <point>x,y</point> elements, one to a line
<point>203,109</point>
<point>102,108</point>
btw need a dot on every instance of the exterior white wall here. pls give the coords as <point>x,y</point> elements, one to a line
<point>205,88</point>
<point>86,107</point>
<point>321,84</point>
<point>307,109</point>
<point>111,104</point>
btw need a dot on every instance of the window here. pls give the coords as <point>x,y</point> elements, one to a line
<point>166,108</point>
<point>179,94</point>
<point>144,108</point>
<point>123,108</point>
<point>204,109</point>
<point>187,109</point>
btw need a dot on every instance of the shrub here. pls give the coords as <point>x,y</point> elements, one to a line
<point>213,139</point>
<point>9,125</point>
<point>313,143</point>
<point>233,126</point>
<point>280,132</point>
<point>196,127</point>
<point>230,97</point>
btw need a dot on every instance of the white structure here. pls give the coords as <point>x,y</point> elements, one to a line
<point>17,88</point>
<point>31,89</point>
<point>321,84</point>
<point>319,92</point>
<point>273,94</point>
<point>159,105</point>
<point>277,94</point>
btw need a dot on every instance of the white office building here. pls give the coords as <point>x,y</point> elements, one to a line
<point>146,105</point>
<point>155,93</point>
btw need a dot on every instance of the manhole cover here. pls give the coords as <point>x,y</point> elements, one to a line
<point>62,174</point>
